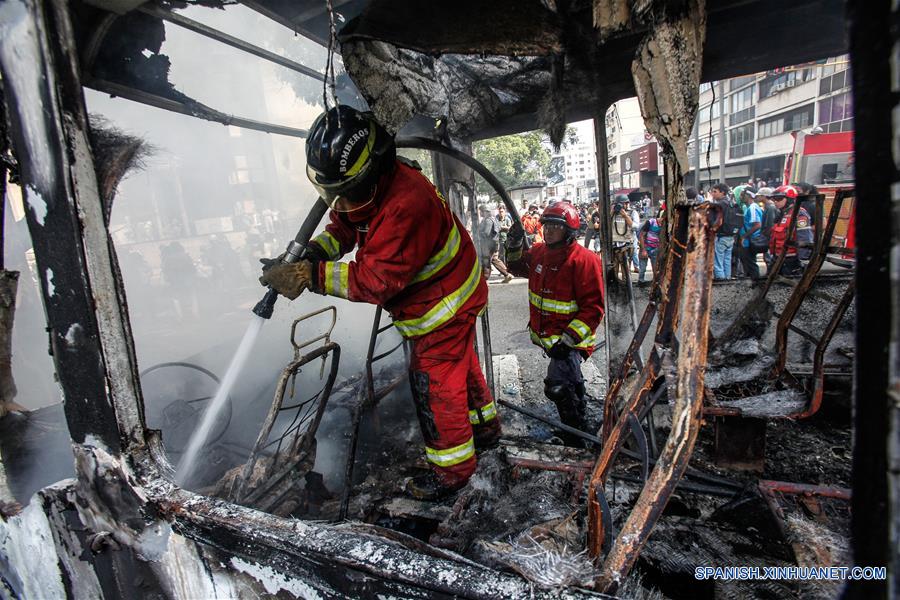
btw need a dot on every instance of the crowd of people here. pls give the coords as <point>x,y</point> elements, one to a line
<point>636,226</point>
<point>756,223</point>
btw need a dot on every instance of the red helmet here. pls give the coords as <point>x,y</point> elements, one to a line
<point>784,191</point>
<point>562,212</point>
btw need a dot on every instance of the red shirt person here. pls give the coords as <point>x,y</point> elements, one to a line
<point>416,260</point>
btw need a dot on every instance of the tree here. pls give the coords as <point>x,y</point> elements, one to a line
<point>513,159</point>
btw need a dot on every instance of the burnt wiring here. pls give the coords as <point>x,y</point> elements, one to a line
<point>329,85</point>
<point>709,140</point>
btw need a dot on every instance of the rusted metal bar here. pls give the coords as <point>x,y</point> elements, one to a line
<point>687,411</point>
<point>609,404</point>
<point>800,292</point>
<point>670,286</point>
<point>721,411</point>
<point>815,401</point>
<point>545,465</point>
<point>634,348</point>
<point>768,486</point>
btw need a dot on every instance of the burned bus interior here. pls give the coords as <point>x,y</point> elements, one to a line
<point>736,424</point>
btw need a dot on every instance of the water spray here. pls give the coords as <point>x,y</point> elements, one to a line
<point>263,310</point>
<point>292,254</point>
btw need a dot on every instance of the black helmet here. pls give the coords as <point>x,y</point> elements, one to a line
<point>346,153</point>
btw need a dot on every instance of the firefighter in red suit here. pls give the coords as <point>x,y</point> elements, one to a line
<point>416,260</point>
<point>784,198</point>
<point>565,293</point>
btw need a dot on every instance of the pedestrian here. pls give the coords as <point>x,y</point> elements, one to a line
<point>416,260</point>
<point>622,231</point>
<point>725,235</point>
<point>636,223</point>
<point>594,228</point>
<point>648,243</point>
<point>770,214</point>
<point>531,223</point>
<point>505,222</point>
<point>489,244</point>
<point>565,290</point>
<point>752,241</point>
<point>784,197</point>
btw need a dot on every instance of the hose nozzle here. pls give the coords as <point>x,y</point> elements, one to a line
<point>266,306</point>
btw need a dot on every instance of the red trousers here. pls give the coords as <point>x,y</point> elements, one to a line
<point>451,398</point>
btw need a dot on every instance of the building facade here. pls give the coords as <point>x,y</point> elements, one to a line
<point>575,167</point>
<point>760,116</point>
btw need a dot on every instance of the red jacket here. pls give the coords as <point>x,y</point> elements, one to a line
<point>416,259</point>
<point>565,293</point>
<point>532,226</point>
<point>803,232</point>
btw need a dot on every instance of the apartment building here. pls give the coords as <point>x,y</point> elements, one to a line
<point>760,115</point>
<point>575,167</point>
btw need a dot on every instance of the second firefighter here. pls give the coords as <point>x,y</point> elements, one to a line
<point>565,294</point>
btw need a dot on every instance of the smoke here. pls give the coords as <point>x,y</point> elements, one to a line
<point>190,227</point>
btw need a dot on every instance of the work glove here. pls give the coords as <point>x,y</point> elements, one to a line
<point>559,351</point>
<point>516,235</point>
<point>268,263</point>
<point>289,279</point>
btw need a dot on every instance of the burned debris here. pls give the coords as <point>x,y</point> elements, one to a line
<point>721,439</point>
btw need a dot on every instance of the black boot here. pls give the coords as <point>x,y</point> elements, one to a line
<point>429,486</point>
<point>487,436</point>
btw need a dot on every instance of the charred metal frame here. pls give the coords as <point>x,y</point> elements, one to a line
<point>690,254</point>
<point>301,444</point>
<point>803,287</point>
<point>192,109</point>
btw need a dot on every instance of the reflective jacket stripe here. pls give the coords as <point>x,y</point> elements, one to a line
<point>337,279</point>
<point>441,258</point>
<point>444,310</point>
<point>329,244</point>
<point>544,342</point>
<point>480,416</point>
<point>581,330</point>
<point>451,456</point>
<point>557,306</point>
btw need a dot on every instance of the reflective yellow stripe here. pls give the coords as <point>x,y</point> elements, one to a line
<point>488,412</point>
<point>451,456</point>
<point>545,342</point>
<point>364,155</point>
<point>554,306</point>
<point>442,257</point>
<point>581,328</point>
<point>444,310</point>
<point>337,279</point>
<point>329,244</point>
<point>587,343</point>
